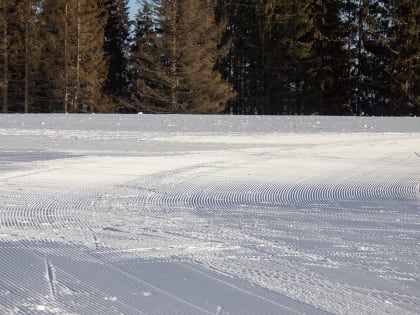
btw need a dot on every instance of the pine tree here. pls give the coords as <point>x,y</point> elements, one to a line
<point>149,76</point>
<point>154,55</point>
<point>116,45</point>
<point>176,56</point>
<point>268,61</point>
<point>56,78</point>
<point>13,70</point>
<point>327,64</point>
<point>241,65</point>
<point>404,68</point>
<point>73,70</point>
<point>293,51</point>
<point>20,53</point>
<point>382,55</point>
<point>4,55</point>
<point>91,72</point>
<point>279,57</point>
<point>366,61</point>
<point>202,87</point>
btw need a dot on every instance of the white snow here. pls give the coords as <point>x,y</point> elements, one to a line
<point>173,214</point>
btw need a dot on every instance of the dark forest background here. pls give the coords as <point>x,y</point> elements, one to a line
<point>336,57</point>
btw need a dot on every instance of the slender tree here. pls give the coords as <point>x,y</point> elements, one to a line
<point>176,57</point>
<point>57,75</point>
<point>66,62</point>
<point>404,68</point>
<point>149,75</point>
<point>5,56</point>
<point>278,57</point>
<point>73,70</point>
<point>241,62</point>
<point>267,60</point>
<point>23,52</point>
<point>202,88</point>
<point>27,57</point>
<point>90,62</point>
<point>116,45</point>
<point>327,64</point>
<point>169,29</point>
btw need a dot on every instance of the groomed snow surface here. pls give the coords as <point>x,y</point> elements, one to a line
<point>142,214</point>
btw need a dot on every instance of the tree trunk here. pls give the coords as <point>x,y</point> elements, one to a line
<point>175,83</point>
<point>66,74</point>
<point>76,93</point>
<point>5,85</point>
<point>26,109</point>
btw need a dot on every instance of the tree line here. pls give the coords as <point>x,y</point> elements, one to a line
<point>337,57</point>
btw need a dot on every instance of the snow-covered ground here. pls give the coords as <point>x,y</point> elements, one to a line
<point>142,214</point>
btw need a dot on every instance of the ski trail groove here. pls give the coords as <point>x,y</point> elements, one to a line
<point>51,277</point>
<point>327,219</point>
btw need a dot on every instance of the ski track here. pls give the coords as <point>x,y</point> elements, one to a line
<point>224,198</point>
<point>294,227</point>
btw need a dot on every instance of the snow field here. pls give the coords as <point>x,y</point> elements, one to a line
<point>139,214</point>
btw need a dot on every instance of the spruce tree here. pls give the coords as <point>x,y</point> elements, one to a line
<point>92,69</point>
<point>74,69</point>
<point>404,68</point>
<point>4,55</point>
<point>56,78</point>
<point>176,61</point>
<point>202,88</point>
<point>16,48</point>
<point>20,45</point>
<point>327,64</point>
<point>241,64</point>
<point>293,52</point>
<point>116,45</point>
<point>149,76</point>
